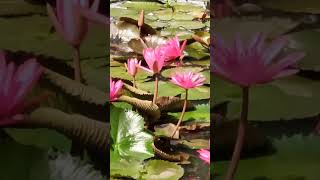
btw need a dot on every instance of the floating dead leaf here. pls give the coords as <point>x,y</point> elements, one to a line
<point>200,40</point>
<point>145,28</point>
<point>151,41</point>
<point>195,126</point>
<point>166,130</point>
<point>194,143</point>
<point>163,150</point>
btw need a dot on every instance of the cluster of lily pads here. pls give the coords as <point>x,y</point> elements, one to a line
<point>30,93</point>
<point>145,117</point>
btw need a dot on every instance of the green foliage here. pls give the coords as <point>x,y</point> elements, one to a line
<point>142,5</point>
<point>36,38</point>
<point>297,157</point>
<point>41,138</point>
<point>246,26</point>
<point>21,162</point>
<point>129,139</point>
<point>307,41</point>
<point>121,167</point>
<point>306,6</point>
<point>162,170</point>
<point>296,98</point>
<point>200,114</point>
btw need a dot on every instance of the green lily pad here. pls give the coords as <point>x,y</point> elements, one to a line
<point>290,103</point>
<point>284,164</point>
<point>164,15</point>
<point>306,6</point>
<point>247,26</point>
<point>23,162</point>
<point>142,5</point>
<point>94,71</point>
<point>123,167</point>
<point>129,139</point>
<point>307,41</point>
<point>119,12</point>
<point>121,72</point>
<point>36,38</point>
<point>198,93</point>
<point>187,24</point>
<point>162,170</point>
<point>187,7</point>
<point>42,138</point>
<point>197,51</point>
<point>157,24</point>
<point>165,88</point>
<point>180,32</point>
<point>171,71</point>
<point>200,114</point>
<point>183,17</point>
<point>19,8</point>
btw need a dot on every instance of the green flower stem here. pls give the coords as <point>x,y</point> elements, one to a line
<point>182,113</point>
<point>241,135</point>
<point>76,148</point>
<point>156,86</point>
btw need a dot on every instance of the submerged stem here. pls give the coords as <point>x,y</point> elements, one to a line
<point>182,113</point>
<point>76,63</point>
<point>155,96</point>
<point>241,135</point>
<point>76,148</point>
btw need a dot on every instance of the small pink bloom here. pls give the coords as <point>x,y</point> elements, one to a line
<point>70,19</point>
<point>115,88</point>
<point>173,50</point>
<point>253,63</point>
<point>204,155</point>
<point>188,80</point>
<point>132,66</point>
<point>16,83</point>
<point>154,58</point>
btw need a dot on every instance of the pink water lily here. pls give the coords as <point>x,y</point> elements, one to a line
<point>155,59</point>
<point>188,80</point>
<point>132,66</point>
<point>115,88</point>
<point>204,155</point>
<point>253,63</point>
<point>70,19</point>
<point>16,83</point>
<point>173,49</point>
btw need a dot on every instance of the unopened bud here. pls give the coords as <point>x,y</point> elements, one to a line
<point>141,19</point>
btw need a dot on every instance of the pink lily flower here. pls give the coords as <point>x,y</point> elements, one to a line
<point>173,49</point>
<point>16,83</point>
<point>188,80</point>
<point>155,59</point>
<point>204,155</point>
<point>70,19</point>
<point>253,63</point>
<point>115,88</point>
<point>131,66</point>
